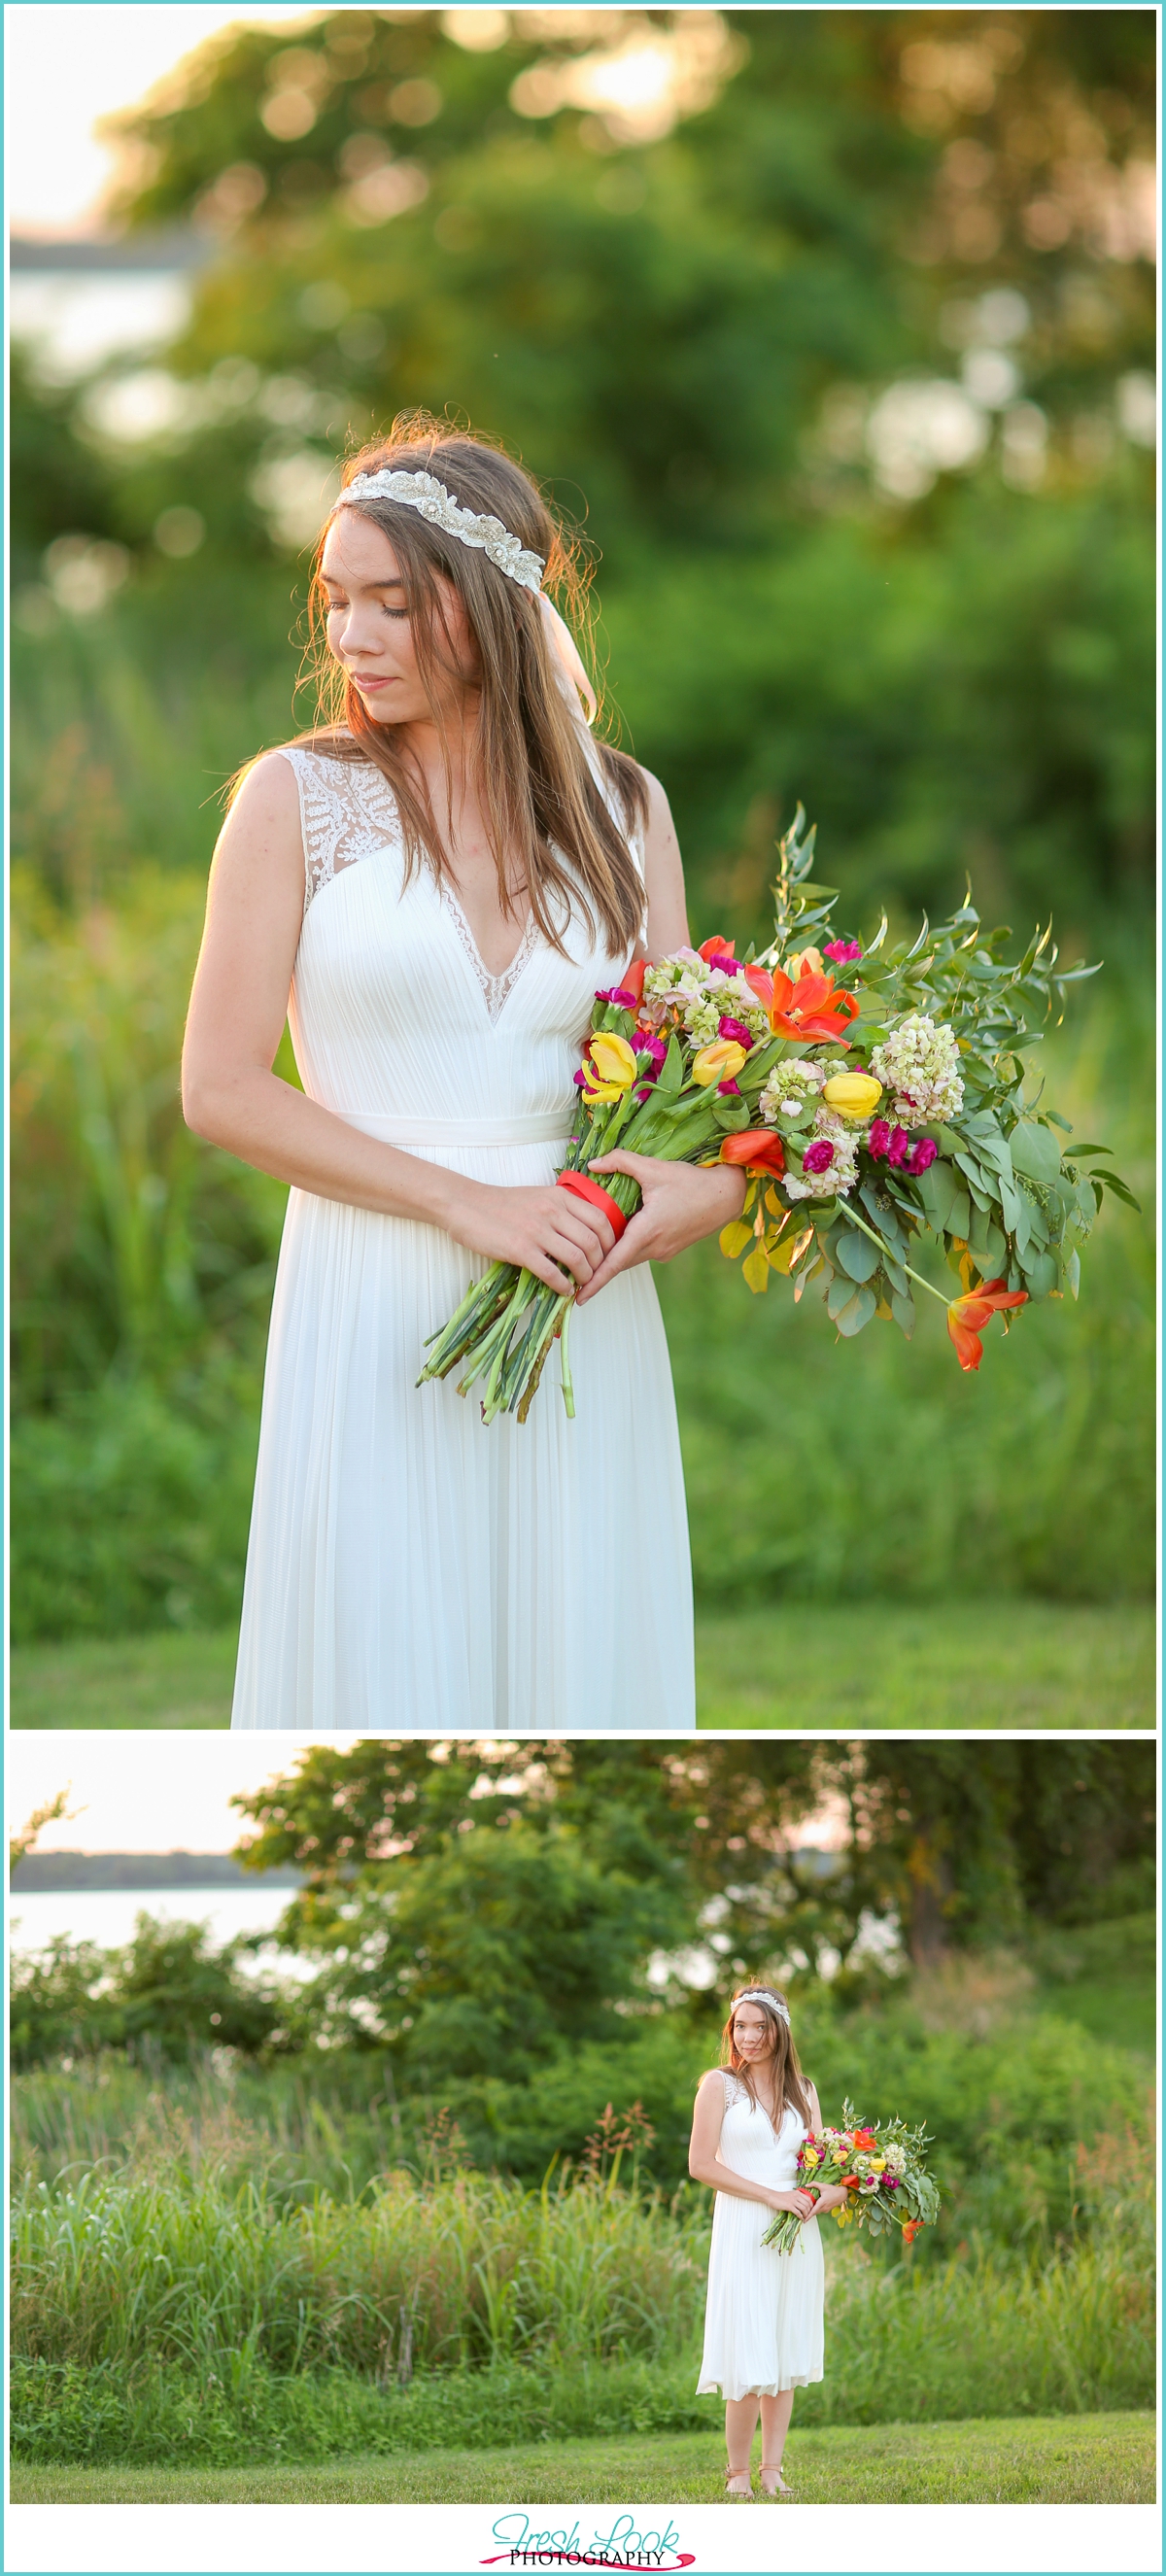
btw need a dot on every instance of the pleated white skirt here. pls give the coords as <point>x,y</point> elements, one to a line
<point>413,1572</point>
<point>764,2317</point>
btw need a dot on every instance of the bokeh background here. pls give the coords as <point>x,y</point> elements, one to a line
<point>369,2155</point>
<point>834,331</point>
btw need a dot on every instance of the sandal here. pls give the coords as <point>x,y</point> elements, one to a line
<point>738,2495</point>
<point>778,2492</point>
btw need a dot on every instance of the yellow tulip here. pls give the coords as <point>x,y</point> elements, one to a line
<point>853,1095</point>
<point>805,961</point>
<point>613,1059</point>
<point>720,1062</point>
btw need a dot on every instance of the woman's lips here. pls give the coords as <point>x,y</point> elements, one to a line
<point>371,680</point>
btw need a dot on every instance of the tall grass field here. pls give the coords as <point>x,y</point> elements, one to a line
<point>217,2268</point>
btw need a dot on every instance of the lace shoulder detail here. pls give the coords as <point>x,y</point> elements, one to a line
<point>347,812</point>
<point>735,2091</point>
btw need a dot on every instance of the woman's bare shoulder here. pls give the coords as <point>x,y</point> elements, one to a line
<point>712,2075</point>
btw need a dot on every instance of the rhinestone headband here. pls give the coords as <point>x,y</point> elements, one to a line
<point>762,1995</point>
<point>423,492</point>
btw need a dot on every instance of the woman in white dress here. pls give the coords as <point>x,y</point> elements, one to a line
<point>431,887</point>
<point>763,2320</point>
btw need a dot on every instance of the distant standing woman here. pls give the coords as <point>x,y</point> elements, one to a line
<point>431,886</point>
<point>763,2321</point>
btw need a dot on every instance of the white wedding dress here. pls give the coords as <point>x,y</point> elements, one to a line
<point>763,2319</point>
<point>408,1569</point>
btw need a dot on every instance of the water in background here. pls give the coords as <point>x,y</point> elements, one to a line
<point>107,1916</point>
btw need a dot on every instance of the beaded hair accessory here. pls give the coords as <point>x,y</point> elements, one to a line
<point>763,1995</point>
<point>423,492</point>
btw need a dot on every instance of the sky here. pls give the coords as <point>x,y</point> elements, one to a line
<point>69,62</point>
<point>142,1792</point>
<point>169,1792</point>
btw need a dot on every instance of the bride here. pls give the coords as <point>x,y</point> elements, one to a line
<point>430,886</point>
<point>763,2320</point>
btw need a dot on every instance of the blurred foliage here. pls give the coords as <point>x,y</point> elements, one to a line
<point>691,330</point>
<point>492,1909</point>
<point>167,1995</point>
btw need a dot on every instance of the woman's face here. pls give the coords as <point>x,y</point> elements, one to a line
<point>369,629</point>
<point>753,2037</point>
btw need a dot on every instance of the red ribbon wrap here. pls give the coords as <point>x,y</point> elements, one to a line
<point>585,1188</point>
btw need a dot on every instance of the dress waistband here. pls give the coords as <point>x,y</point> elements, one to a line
<point>550,1127</point>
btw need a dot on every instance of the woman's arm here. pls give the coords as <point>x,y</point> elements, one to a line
<point>702,2156</point>
<point>231,1095</point>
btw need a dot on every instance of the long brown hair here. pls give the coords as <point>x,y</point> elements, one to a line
<point>789,2083</point>
<point>544,812</point>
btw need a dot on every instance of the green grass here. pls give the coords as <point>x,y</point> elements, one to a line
<point>978,1664</point>
<point>1076,2459</point>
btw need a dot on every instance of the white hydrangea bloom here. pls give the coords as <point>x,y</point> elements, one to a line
<point>790,1085</point>
<point>896,2158</point>
<point>919,1064</point>
<point>841,1172</point>
<point>705,996</point>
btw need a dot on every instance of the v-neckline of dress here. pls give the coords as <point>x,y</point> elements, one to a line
<point>495,989</point>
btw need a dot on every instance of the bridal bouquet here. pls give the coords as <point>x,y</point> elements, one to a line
<point>675,1066</point>
<point>872,1096</point>
<point>881,2167</point>
<point>913,1121</point>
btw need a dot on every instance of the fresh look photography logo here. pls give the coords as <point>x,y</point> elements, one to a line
<point>520,2545</point>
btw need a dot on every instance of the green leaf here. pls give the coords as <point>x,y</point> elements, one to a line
<point>857,1312</point>
<point>1073,1274</point>
<point>1040,1273</point>
<point>671,1073</point>
<point>856,1254</point>
<point>1035,1152</point>
<point>839,1294</point>
<point>937,1188</point>
<point>903,1310</point>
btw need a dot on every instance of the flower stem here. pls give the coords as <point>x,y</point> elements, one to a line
<point>854,1219</point>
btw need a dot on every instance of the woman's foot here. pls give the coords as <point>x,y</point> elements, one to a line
<point>773,2483</point>
<point>738,2483</point>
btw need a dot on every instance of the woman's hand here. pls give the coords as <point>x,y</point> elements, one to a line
<point>562,1239</point>
<point>832,2196</point>
<point>801,2202</point>
<point>682,1202</point>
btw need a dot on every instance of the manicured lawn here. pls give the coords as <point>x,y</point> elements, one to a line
<point>976,1664</point>
<point>969,1665</point>
<point>1080,2459</point>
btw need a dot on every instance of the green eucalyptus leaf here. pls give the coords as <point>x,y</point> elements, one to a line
<point>856,1254</point>
<point>1035,1152</point>
<point>859,1310</point>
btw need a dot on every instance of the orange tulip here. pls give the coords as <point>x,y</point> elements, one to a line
<point>967,1316</point>
<point>756,1147</point>
<point>810,1008</point>
<point>715,948</point>
<point>633,980</point>
<point>911,2230</point>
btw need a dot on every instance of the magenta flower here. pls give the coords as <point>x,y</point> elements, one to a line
<point>732,1087</point>
<point>646,1044</point>
<point>897,1149</point>
<point>727,1028</point>
<point>879,1139</point>
<point>728,965</point>
<point>818,1157</point>
<point>843,951</point>
<point>624,1001</point>
<point>923,1157</point>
